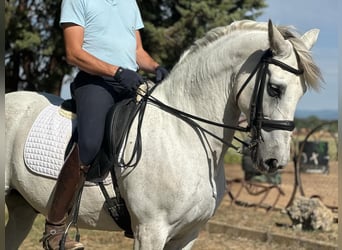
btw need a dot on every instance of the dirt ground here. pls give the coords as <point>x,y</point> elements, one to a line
<point>313,184</point>
<point>254,215</point>
<point>253,218</point>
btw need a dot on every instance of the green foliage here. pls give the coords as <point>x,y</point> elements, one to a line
<point>172,26</point>
<point>34,49</point>
<point>232,157</point>
<point>312,122</point>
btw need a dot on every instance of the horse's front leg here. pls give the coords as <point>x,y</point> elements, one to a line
<point>154,236</point>
<point>184,241</point>
<point>150,236</point>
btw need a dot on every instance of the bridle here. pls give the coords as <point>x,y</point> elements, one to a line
<point>257,119</point>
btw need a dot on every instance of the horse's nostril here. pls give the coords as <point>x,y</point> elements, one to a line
<point>280,167</point>
<point>272,163</point>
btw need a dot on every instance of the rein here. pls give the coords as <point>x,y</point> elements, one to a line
<point>257,119</point>
<point>189,118</point>
<point>256,115</point>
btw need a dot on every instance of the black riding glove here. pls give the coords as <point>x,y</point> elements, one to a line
<point>161,74</point>
<point>128,78</point>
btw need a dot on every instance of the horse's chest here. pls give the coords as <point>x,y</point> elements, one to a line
<point>201,208</point>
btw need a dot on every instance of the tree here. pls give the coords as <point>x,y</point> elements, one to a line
<point>34,49</point>
<point>312,122</point>
<point>172,26</point>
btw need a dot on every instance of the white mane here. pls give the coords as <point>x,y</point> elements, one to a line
<point>312,74</point>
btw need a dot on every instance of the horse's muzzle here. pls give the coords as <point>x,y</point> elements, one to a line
<point>270,166</point>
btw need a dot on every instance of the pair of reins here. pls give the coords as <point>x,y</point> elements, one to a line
<point>257,119</point>
<point>256,114</point>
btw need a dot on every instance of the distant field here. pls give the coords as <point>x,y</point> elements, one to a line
<point>233,156</point>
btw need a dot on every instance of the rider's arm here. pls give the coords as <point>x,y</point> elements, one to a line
<point>144,60</point>
<point>77,56</point>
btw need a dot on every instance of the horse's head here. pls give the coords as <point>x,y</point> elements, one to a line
<point>270,97</point>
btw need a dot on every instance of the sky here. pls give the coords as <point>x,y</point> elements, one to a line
<point>305,15</point>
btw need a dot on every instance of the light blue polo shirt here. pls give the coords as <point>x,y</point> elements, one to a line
<point>109,28</point>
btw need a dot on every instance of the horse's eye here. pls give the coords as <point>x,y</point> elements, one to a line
<point>274,90</point>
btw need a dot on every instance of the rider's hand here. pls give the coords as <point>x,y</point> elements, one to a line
<point>161,74</point>
<point>128,78</point>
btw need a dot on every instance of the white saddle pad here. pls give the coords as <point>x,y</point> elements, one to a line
<point>47,140</point>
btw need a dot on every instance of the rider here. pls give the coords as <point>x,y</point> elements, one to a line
<point>102,39</point>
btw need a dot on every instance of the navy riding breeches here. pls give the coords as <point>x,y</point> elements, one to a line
<point>94,96</point>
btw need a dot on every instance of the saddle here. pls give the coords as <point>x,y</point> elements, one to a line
<point>117,127</point>
<point>117,124</point>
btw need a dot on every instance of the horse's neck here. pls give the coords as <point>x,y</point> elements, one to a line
<point>195,93</point>
<point>203,82</point>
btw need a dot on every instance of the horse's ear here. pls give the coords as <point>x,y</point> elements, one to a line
<point>278,44</point>
<point>310,38</point>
